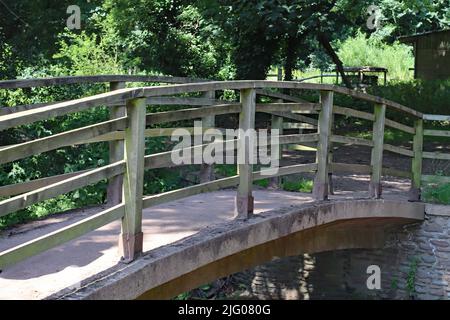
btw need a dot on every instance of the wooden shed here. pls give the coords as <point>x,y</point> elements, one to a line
<point>432,54</point>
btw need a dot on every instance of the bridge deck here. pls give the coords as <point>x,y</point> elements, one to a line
<point>68,264</point>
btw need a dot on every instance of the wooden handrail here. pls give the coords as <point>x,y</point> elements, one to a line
<point>119,96</point>
<point>58,81</point>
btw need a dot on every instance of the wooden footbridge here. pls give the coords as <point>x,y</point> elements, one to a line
<point>291,222</point>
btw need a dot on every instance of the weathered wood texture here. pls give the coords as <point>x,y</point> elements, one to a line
<point>348,112</point>
<point>289,107</point>
<point>50,191</point>
<point>436,117</point>
<point>293,116</point>
<point>437,133</point>
<point>436,155</point>
<point>416,166</point>
<point>63,108</point>
<point>206,170</point>
<point>60,236</point>
<point>352,141</point>
<point>301,126</point>
<point>117,96</point>
<point>26,149</point>
<point>58,81</point>
<point>376,160</point>
<point>116,150</point>
<point>18,188</point>
<point>156,132</point>
<point>133,184</point>
<point>399,126</point>
<point>194,113</point>
<point>244,198</point>
<point>277,126</point>
<point>398,150</point>
<point>320,190</point>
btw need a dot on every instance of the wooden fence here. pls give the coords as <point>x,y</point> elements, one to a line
<point>127,129</point>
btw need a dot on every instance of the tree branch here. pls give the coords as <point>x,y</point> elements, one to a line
<point>325,42</point>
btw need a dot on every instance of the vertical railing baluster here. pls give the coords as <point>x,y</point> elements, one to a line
<point>244,198</point>
<point>376,160</point>
<point>132,236</point>
<point>280,73</point>
<point>277,123</point>
<point>320,190</point>
<point>116,151</point>
<point>207,170</point>
<point>417,162</point>
<point>330,161</point>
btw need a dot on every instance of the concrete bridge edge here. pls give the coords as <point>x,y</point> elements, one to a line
<point>229,247</point>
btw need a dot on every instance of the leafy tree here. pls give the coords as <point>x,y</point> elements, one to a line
<point>168,36</point>
<point>30,28</point>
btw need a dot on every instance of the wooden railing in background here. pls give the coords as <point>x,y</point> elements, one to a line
<point>127,129</point>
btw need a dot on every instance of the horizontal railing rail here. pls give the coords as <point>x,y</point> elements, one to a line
<point>434,178</point>
<point>58,81</point>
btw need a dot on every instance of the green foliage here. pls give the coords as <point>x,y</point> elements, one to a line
<point>412,16</point>
<point>363,51</point>
<point>225,170</point>
<point>264,183</point>
<point>394,283</point>
<point>31,27</point>
<point>302,185</point>
<point>437,193</point>
<point>411,277</point>
<point>79,55</point>
<point>425,96</point>
<point>85,54</point>
<point>171,37</point>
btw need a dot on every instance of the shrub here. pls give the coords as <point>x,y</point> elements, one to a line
<point>302,185</point>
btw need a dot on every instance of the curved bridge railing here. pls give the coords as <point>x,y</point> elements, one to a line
<point>127,130</point>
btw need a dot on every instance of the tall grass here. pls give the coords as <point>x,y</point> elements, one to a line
<point>362,51</point>
<point>372,51</point>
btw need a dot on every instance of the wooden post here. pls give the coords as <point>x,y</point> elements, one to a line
<point>417,162</point>
<point>280,74</point>
<point>376,160</point>
<point>277,123</point>
<point>132,237</point>
<point>330,160</point>
<point>244,198</point>
<point>206,170</point>
<point>320,190</point>
<point>116,151</point>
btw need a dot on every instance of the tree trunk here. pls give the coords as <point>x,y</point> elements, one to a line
<point>325,42</point>
<point>291,57</point>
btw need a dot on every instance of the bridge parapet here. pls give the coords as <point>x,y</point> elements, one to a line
<point>127,131</point>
